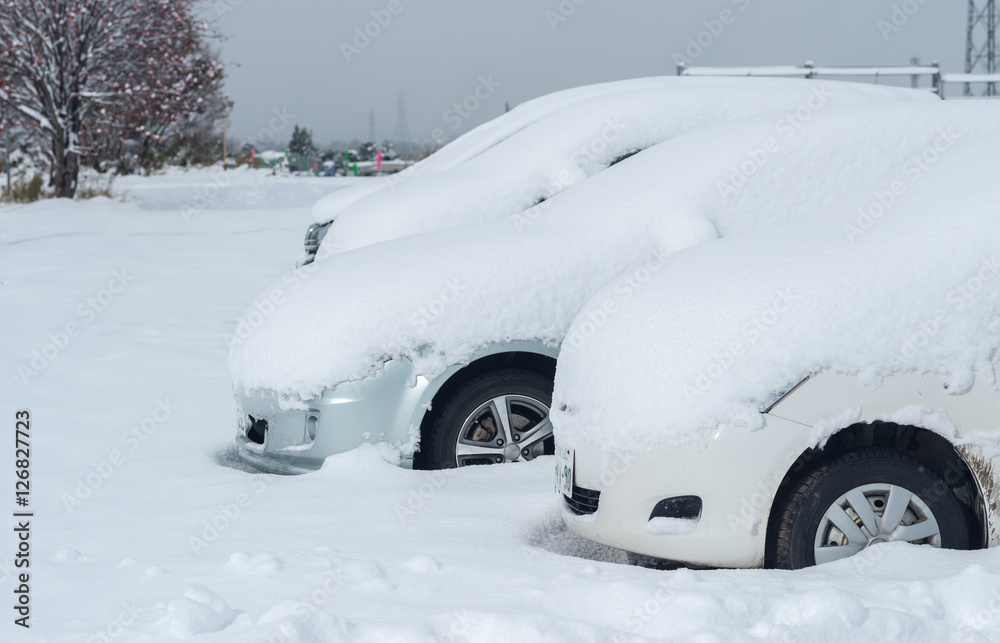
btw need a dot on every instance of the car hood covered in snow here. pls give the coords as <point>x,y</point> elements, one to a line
<point>550,144</point>
<point>903,278</point>
<point>438,298</point>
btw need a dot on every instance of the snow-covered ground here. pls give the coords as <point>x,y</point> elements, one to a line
<point>146,529</point>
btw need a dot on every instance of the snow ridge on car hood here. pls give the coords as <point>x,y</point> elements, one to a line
<point>905,278</point>
<point>437,298</point>
<point>565,146</point>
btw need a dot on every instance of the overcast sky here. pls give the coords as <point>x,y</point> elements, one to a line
<point>305,56</point>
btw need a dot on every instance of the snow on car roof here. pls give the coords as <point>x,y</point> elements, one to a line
<point>517,160</point>
<point>437,298</point>
<point>475,142</point>
<point>902,278</point>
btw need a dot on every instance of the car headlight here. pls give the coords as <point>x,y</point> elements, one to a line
<point>314,236</point>
<point>777,396</point>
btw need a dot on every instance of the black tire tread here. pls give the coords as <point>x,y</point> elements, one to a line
<point>434,443</point>
<point>810,486</point>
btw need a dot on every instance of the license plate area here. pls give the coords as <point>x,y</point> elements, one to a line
<point>564,471</point>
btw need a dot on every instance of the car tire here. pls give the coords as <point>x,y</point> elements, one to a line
<point>469,427</point>
<point>835,495</point>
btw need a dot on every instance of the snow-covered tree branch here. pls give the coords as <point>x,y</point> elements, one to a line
<point>90,74</point>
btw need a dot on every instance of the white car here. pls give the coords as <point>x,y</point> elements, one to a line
<point>443,343</point>
<point>794,396</point>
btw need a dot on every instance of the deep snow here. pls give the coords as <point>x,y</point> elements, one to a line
<point>361,550</point>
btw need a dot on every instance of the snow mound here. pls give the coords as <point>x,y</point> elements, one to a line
<point>421,564</point>
<point>199,611</point>
<point>291,621</point>
<point>557,148</point>
<point>438,298</point>
<point>70,555</point>
<point>262,563</point>
<point>364,575</point>
<point>903,278</point>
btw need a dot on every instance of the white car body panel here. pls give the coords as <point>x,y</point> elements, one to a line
<point>737,472</point>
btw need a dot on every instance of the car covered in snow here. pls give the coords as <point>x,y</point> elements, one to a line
<point>552,143</point>
<point>458,151</point>
<point>444,343</point>
<point>467,146</point>
<point>796,395</point>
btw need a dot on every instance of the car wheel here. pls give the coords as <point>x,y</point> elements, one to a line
<point>865,498</point>
<point>498,417</point>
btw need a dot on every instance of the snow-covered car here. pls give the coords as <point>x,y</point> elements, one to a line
<point>462,149</point>
<point>795,395</point>
<point>549,144</point>
<point>446,341</point>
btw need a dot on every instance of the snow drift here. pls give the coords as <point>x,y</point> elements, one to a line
<point>438,298</point>
<point>902,278</point>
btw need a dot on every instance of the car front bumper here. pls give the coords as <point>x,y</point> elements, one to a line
<point>386,407</point>
<point>736,476</point>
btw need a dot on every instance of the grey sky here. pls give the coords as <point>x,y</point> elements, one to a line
<point>288,53</point>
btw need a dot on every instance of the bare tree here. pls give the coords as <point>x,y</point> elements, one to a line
<point>102,69</point>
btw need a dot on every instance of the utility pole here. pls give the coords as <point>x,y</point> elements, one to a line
<point>225,135</point>
<point>371,125</point>
<point>402,129</point>
<point>980,42</point>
